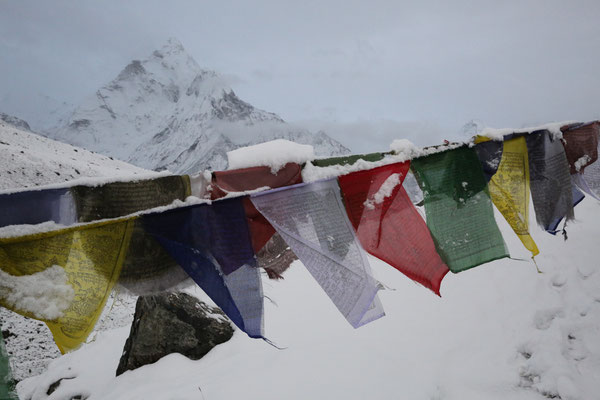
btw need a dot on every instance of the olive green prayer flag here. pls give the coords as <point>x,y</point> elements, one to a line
<point>458,208</point>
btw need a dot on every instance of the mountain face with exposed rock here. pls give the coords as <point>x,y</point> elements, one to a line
<point>165,112</point>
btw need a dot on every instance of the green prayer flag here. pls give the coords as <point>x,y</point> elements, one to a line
<point>348,160</point>
<point>6,380</point>
<point>458,208</point>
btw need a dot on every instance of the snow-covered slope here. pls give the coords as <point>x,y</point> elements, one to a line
<point>165,112</point>
<point>500,331</point>
<point>28,160</point>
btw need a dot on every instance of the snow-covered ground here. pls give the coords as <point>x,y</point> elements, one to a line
<point>28,160</point>
<point>500,331</point>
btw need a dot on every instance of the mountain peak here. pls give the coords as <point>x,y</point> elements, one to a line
<point>166,112</point>
<point>172,47</point>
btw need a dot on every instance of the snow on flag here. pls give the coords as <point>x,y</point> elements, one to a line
<point>212,244</point>
<point>312,219</point>
<point>458,208</point>
<point>551,187</point>
<point>389,226</point>
<point>509,189</point>
<point>91,256</point>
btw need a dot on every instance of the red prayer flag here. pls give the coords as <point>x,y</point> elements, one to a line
<point>389,226</point>
<point>239,180</point>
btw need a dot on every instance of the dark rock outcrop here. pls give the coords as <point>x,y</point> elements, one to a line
<point>172,323</point>
<point>14,121</point>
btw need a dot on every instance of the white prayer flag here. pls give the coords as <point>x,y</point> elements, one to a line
<point>312,219</point>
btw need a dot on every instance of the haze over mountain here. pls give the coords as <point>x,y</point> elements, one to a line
<point>165,112</point>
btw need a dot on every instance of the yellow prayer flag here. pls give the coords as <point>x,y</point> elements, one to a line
<point>91,255</point>
<point>509,189</point>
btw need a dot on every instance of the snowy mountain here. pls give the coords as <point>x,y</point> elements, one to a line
<point>165,112</point>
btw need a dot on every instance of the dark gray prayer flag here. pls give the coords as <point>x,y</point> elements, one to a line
<point>489,154</point>
<point>550,180</point>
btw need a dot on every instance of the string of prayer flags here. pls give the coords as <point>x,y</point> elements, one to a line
<point>6,381</point>
<point>551,187</point>
<point>277,257</point>
<point>37,206</point>
<point>91,257</point>
<point>509,189</point>
<point>312,219</point>
<point>212,244</point>
<point>458,209</point>
<point>581,144</point>
<point>389,226</point>
<point>348,160</point>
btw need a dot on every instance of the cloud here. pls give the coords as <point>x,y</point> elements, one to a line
<point>506,63</point>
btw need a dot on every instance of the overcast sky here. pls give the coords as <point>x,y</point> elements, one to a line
<point>365,70</point>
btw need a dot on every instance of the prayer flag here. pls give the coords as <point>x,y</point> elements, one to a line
<point>489,153</point>
<point>37,206</point>
<point>577,197</point>
<point>581,181</point>
<point>275,257</point>
<point>212,244</point>
<point>312,219</point>
<point>117,199</point>
<point>581,144</point>
<point>458,208</point>
<point>589,179</point>
<point>509,189</point>
<point>91,255</point>
<point>389,226</point>
<point>551,187</point>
